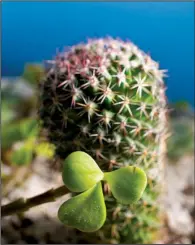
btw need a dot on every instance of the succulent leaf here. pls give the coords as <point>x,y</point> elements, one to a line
<point>86,211</point>
<point>127,184</point>
<point>80,172</point>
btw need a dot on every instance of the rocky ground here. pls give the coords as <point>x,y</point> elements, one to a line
<point>179,201</point>
<point>40,224</point>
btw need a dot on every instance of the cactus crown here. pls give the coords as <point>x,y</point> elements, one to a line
<point>103,98</point>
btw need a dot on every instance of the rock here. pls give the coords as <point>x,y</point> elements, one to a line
<point>178,203</point>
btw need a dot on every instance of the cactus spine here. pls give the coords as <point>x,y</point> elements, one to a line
<point>107,98</point>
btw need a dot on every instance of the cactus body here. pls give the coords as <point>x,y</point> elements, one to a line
<point>107,98</point>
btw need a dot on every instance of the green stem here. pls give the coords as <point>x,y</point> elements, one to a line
<point>23,204</point>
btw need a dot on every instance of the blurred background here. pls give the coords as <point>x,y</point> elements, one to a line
<point>31,33</point>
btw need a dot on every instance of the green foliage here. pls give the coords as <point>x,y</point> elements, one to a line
<point>181,141</point>
<point>87,211</point>
<point>80,172</point>
<point>18,94</point>
<point>107,98</point>
<point>182,105</point>
<point>20,141</point>
<point>127,184</point>
<point>18,131</point>
<point>7,114</point>
<point>44,149</point>
<point>22,156</point>
<point>9,101</point>
<point>22,138</point>
<point>9,94</point>
<point>33,73</point>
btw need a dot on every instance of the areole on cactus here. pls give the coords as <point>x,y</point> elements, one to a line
<point>107,98</point>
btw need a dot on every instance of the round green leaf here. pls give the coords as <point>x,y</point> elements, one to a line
<point>127,184</point>
<point>86,211</point>
<point>80,172</point>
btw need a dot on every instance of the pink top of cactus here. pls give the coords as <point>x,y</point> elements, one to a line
<point>96,56</point>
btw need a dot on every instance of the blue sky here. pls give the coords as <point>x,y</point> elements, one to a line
<point>33,30</point>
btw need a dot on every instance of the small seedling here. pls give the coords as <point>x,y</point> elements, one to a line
<point>87,210</point>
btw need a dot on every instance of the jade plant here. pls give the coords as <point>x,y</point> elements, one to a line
<point>107,98</point>
<point>86,211</point>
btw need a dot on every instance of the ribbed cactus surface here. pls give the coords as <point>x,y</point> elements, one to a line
<point>106,97</point>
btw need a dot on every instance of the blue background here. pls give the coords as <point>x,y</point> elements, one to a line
<point>31,32</point>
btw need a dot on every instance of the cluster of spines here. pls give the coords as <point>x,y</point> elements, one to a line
<point>105,97</point>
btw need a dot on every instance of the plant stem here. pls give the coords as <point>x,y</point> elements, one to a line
<point>23,204</point>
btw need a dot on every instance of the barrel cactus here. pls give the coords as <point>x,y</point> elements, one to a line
<point>107,98</point>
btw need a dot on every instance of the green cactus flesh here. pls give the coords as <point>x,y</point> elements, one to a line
<point>106,98</point>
